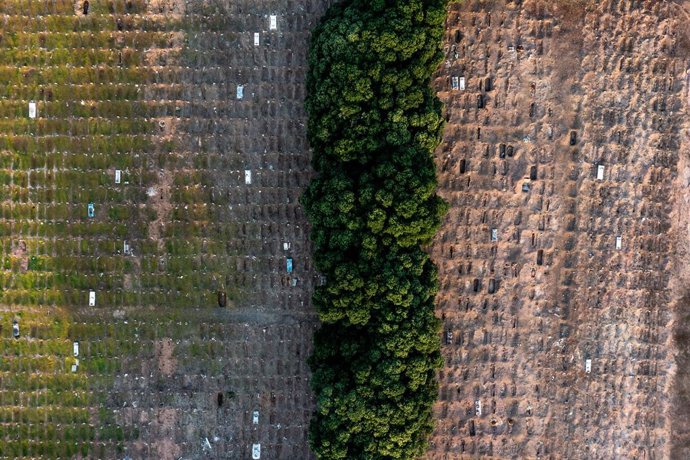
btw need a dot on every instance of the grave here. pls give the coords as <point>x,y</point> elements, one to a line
<point>454,83</point>
<point>222,299</point>
<point>256,451</point>
<point>493,286</point>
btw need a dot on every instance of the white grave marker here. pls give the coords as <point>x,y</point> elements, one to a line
<point>118,176</point>
<point>462,83</point>
<point>588,366</point>
<point>256,451</point>
<point>32,110</point>
<point>273,22</point>
<point>286,246</point>
<point>600,172</point>
<point>75,365</point>
<point>206,445</point>
<point>92,298</point>
<point>125,248</point>
<point>75,349</point>
<point>240,91</point>
<point>247,176</point>
<point>255,417</point>
<point>256,38</point>
<point>619,242</point>
<point>478,407</point>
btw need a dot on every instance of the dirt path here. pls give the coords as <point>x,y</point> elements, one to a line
<point>159,200</point>
<point>678,424</point>
<point>166,361</point>
<point>19,251</point>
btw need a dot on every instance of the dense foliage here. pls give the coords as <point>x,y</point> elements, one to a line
<point>374,122</point>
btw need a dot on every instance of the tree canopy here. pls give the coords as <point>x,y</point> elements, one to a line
<point>374,123</point>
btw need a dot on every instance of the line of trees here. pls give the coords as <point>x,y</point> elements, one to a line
<point>374,123</point>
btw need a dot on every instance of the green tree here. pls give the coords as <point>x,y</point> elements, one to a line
<point>374,123</point>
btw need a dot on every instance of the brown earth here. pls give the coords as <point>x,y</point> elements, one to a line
<point>20,253</point>
<point>159,201</point>
<point>524,314</point>
<point>166,361</point>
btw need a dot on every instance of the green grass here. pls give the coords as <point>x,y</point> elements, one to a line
<point>90,83</point>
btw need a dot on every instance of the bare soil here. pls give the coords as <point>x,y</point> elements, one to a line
<point>166,361</point>
<point>159,201</point>
<point>525,314</point>
<point>19,251</point>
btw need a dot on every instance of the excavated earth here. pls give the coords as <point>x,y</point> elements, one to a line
<point>563,259</point>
